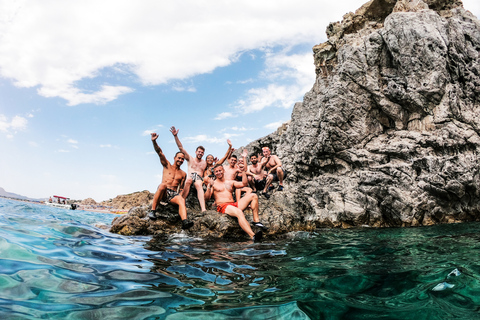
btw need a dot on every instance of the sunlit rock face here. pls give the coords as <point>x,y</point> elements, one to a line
<point>389,133</point>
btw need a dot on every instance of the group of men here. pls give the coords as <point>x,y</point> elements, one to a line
<point>221,182</point>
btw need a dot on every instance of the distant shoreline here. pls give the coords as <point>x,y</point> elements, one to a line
<point>80,207</point>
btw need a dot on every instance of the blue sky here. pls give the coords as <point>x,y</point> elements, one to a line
<point>83,83</point>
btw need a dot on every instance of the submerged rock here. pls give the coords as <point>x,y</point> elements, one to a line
<point>387,136</point>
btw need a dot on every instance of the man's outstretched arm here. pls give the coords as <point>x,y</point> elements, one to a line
<point>179,144</point>
<point>226,154</point>
<point>163,159</point>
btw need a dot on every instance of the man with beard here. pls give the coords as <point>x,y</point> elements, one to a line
<point>258,180</point>
<point>196,169</point>
<point>222,188</point>
<point>172,181</point>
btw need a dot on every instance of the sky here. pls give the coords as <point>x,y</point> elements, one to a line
<point>84,83</point>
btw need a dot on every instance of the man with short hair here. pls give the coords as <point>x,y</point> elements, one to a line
<point>172,181</point>
<point>232,170</point>
<point>222,188</point>
<point>275,172</point>
<point>257,179</point>
<point>196,169</point>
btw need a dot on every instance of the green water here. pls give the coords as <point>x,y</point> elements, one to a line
<point>57,264</point>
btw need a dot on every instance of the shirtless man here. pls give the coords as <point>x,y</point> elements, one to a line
<point>222,189</point>
<point>273,165</point>
<point>232,170</point>
<point>196,168</point>
<point>247,190</point>
<point>172,181</point>
<point>257,179</point>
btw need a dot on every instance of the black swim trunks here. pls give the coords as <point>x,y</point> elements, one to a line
<point>275,177</point>
<point>260,184</point>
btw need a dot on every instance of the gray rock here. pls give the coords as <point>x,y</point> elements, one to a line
<point>389,133</point>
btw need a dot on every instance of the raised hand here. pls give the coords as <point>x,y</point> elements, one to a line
<point>174,131</point>
<point>229,142</point>
<point>154,136</point>
<point>244,153</point>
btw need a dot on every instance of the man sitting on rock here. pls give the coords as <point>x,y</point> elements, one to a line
<point>196,169</point>
<point>274,169</point>
<point>172,181</point>
<point>258,176</point>
<point>222,189</point>
<point>232,170</point>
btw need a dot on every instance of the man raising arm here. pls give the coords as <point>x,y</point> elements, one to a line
<point>196,168</point>
<point>172,180</point>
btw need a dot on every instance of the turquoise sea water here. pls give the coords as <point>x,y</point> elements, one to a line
<point>57,264</point>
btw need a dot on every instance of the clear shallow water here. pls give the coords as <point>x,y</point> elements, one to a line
<point>56,264</point>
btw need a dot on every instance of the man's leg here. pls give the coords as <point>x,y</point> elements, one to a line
<point>280,175</point>
<point>200,194</point>
<point>267,184</point>
<point>159,194</point>
<point>252,200</point>
<point>251,183</point>
<point>186,188</point>
<point>237,213</point>
<point>182,209</point>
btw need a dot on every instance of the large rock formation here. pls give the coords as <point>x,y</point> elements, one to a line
<point>389,133</point>
<point>387,136</point>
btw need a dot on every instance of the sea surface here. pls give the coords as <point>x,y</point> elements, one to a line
<point>60,264</point>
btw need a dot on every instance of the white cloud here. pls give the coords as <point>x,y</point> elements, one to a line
<point>55,44</point>
<point>150,131</point>
<point>105,146</point>
<point>224,115</point>
<point>239,129</point>
<point>17,123</point>
<point>291,76</point>
<point>71,141</point>
<point>274,125</point>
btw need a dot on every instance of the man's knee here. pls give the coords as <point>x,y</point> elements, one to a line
<point>179,200</point>
<point>233,211</point>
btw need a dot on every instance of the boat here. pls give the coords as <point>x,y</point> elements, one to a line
<point>61,202</point>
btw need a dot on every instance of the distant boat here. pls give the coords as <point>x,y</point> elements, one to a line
<point>60,202</point>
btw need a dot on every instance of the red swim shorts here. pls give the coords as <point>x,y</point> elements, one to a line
<point>222,207</point>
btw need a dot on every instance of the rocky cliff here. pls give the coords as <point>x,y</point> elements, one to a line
<point>387,136</point>
<point>389,133</point>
